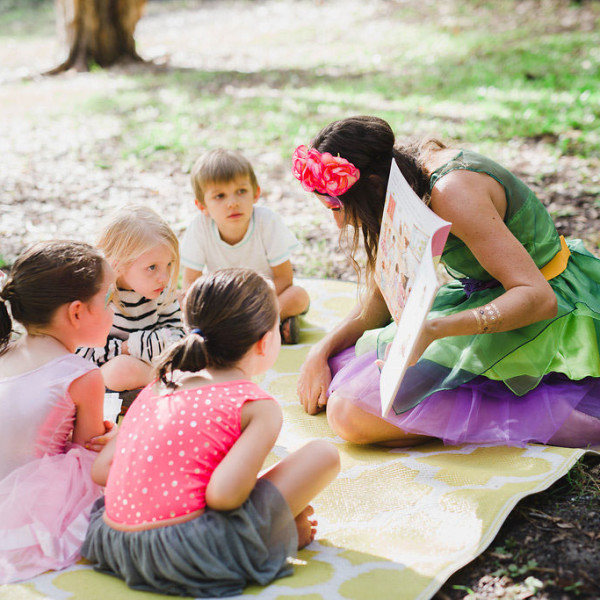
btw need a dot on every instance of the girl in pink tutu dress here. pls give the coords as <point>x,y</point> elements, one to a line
<point>51,404</point>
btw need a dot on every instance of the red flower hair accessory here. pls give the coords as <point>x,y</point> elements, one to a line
<point>322,172</point>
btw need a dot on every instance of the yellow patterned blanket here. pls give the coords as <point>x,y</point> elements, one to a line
<point>394,525</point>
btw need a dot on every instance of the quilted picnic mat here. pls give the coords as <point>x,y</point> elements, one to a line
<point>395,524</point>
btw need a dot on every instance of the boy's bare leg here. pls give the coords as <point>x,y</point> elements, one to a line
<point>294,300</point>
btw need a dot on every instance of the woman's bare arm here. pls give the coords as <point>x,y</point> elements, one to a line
<point>315,375</point>
<point>472,202</point>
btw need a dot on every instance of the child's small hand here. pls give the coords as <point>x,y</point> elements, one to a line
<point>99,441</point>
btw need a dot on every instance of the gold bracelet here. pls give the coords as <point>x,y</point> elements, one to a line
<point>488,318</point>
<point>495,316</point>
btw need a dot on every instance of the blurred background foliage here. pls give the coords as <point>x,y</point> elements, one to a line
<point>517,79</point>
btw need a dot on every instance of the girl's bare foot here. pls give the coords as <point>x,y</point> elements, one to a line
<point>307,527</point>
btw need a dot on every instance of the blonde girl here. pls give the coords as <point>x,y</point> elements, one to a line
<point>185,511</point>
<point>51,404</point>
<point>144,253</point>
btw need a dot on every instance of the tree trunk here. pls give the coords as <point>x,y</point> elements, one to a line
<point>97,31</point>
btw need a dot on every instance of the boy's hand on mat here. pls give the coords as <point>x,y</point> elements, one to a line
<point>99,441</point>
<point>313,383</point>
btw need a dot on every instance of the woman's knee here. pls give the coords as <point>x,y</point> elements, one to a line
<point>347,420</point>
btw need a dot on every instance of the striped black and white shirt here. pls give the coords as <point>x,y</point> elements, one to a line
<point>149,326</point>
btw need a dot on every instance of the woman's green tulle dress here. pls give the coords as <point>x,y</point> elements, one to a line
<point>527,373</point>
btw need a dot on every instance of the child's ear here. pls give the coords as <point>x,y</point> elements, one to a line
<point>75,313</point>
<point>201,206</point>
<point>263,343</point>
<point>257,193</point>
<point>118,271</point>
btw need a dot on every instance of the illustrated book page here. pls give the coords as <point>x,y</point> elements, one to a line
<point>411,240</point>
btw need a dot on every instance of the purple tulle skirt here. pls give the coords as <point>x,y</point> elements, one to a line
<point>558,411</point>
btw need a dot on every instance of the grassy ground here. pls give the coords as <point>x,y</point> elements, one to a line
<point>518,79</point>
<point>473,71</point>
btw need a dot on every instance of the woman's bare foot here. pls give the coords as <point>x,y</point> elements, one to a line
<point>307,527</point>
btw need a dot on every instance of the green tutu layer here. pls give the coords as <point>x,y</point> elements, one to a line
<point>566,344</point>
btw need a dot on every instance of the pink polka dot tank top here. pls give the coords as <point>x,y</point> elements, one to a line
<point>168,447</point>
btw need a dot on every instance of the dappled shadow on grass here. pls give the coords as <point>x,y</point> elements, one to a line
<point>475,72</point>
<point>491,87</point>
<point>217,80</point>
<point>477,75</point>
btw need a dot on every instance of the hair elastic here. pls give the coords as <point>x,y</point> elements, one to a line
<point>198,331</point>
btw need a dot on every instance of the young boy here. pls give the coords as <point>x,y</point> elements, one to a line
<point>230,231</point>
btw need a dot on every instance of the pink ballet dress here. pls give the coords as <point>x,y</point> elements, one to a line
<point>46,490</point>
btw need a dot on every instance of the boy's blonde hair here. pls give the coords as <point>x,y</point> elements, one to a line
<point>129,233</point>
<point>220,166</point>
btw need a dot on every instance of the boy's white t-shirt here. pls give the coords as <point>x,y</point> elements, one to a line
<point>267,243</point>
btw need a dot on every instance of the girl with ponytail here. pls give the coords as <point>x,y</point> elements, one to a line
<point>183,474</point>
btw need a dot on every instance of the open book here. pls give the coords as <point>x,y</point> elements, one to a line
<point>411,241</point>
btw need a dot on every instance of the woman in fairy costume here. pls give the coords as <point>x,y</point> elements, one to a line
<point>510,351</point>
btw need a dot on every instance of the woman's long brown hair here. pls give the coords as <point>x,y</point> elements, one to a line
<point>369,144</point>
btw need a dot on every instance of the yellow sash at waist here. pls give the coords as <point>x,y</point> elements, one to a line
<point>559,263</point>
